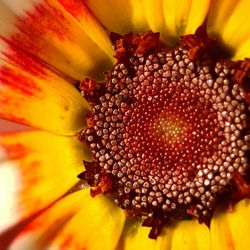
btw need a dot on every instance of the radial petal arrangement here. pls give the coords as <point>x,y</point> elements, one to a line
<point>139,124</point>
<point>32,172</point>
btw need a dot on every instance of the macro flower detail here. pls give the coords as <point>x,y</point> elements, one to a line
<point>135,124</point>
<point>169,131</point>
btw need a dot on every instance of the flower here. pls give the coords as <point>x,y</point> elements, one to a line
<point>46,47</point>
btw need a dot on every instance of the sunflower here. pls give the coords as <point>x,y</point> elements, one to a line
<point>46,48</point>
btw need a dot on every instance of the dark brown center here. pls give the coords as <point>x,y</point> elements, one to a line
<point>169,130</point>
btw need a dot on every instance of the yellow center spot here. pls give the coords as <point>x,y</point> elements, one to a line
<point>172,130</point>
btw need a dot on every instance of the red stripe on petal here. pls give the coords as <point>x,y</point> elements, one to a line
<point>6,101</point>
<point>15,151</point>
<point>12,117</point>
<point>75,8</point>
<point>43,19</point>
<point>25,61</point>
<point>67,242</point>
<point>18,82</point>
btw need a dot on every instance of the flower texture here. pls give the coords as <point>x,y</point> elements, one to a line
<point>47,47</point>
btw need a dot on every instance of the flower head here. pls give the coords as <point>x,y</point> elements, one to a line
<point>46,48</point>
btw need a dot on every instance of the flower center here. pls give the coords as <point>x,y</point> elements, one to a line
<point>168,129</point>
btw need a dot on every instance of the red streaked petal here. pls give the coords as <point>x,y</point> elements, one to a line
<point>8,126</point>
<point>41,231</point>
<point>75,222</point>
<point>36,168</point>
<point>88,24</point>
<point>101,223</point>
<point>47,102</point>
<point>46,30</point>
<point>27,62</point>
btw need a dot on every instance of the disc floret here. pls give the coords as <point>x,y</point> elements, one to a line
<point>169,129</point>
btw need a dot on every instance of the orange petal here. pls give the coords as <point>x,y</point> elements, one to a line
<point>48,31</point>
<point>44,101</point>
<point>88,23</point>
<point>120,16</point>
<point>98,225</point>
<point>41,231</point>
<point>37,168</point>
<point>28,63</point>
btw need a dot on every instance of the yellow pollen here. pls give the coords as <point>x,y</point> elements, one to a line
<point>171,129</point>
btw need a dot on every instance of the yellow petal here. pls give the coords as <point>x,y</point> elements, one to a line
<point>96,225</point>
<point>88,23</point>
<point>186,235</point>
<point>155,17</point>
<point>231,230</point>
<point>46,30</point>
<point>47,102</point>
<point>243,51</point>
<point>135,237</point>
<point>122,16</point>
<point>221,235</point>
<point>238,222</point>
<point>197,15</point>
<point>190,235</point>
<point>184,17</point>
<point>229,21</point>
<point>171,18</point>
<point>36,169</point>
<point>176,16</point>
